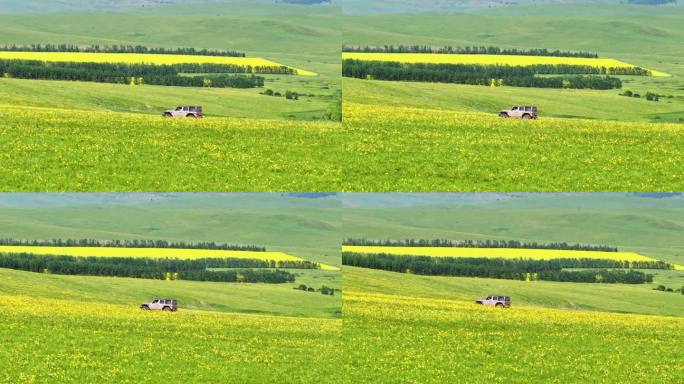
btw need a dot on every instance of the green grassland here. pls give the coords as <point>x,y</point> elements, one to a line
<point>308,228</point>
<point>555,332</point>
<point>154,100</point>
<point>647,36</point>
<point>58,328</point>
<point>569,103</point>
<point>576,296</point>
<point>450,139</point>
<point>56,340</point>
<point>402,328</point>
<point>267,299</point>
<point>306,37</point>
<point>75,136</point>
<point>649,226</point>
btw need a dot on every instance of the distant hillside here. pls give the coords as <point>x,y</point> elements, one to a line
<point>652,2</point>
<point>50,6</point>
<point>427,6</point>
<point>306,1</point>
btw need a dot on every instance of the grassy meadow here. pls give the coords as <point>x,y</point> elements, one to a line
<point>402,328</point>
<point>248,142</point>
<point>647,226</point>
<point>266,331</point>
<point>447,137</point>
<point>90,328</point>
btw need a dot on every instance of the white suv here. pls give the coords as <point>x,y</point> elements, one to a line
<point>496,301</point>
<point>160,305</point>
<point>185,111</point>
<point>520,112</point>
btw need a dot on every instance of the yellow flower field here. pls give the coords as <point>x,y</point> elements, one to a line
<point>143,58</point>
<point>148,252</point>
<point>82,342</point>
<point>428,340</point>
<point>154,253</point>
<point>506,253</point>
<point>490,59</point>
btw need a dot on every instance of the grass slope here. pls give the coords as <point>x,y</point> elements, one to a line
<point>412,149</point>
<point>100,151</point>
<point>154,100</point>
<point>309,228</point>
<point>48,340</point>
<point>621,298</point>
<point>629,33</point>
<point>270,299</point>
<point>306,37</point>
<point>566,103</point>
<point>647,226</point>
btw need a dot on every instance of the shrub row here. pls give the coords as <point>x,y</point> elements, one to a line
<point>511,269</point>
<point>469,50</point>
<point>573,76</point>
<point>132,244</point>
<point>77,72</point>
<point>148,268</point>
<point>478,244</point>
<point>118,49</point>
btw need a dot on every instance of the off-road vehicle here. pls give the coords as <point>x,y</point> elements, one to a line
<point>496,301</point>
<point>185,111</point>
<point>520,112</point>
<point>160,305</point>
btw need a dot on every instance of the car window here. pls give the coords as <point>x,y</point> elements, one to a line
<point>178,108</point>
<point>488,298</point>
<point>155,301</point>
<point>514,109</point>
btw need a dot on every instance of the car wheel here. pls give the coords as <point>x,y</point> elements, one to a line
<point>499,305</point>
<point>166,309</point>
<point>503,114</point>
<point>145,308</point>
<point>527,117</point>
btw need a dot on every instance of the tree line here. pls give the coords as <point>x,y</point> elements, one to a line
<point>573,76</point>
<point>157,269</point>
<point>212,75</point>
<point>58,242</point>
<point>593,270</point>
<point>118,49</point>
<point>479,244</point>
<point>467,50</point>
